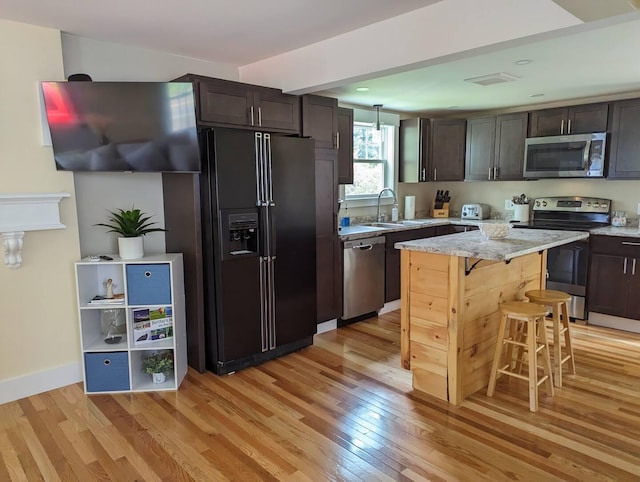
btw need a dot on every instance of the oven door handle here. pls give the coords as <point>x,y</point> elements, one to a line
<point>586,158</point>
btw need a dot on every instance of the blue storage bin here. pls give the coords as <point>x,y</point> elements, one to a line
<point>106,371</point>
<point>148,284</point>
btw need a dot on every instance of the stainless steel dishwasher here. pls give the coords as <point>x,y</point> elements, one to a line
<point>363,277</point>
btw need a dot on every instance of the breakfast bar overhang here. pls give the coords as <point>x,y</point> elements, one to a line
<point>451,290</point>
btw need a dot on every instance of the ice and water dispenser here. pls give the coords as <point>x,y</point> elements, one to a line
<point>241,234</point>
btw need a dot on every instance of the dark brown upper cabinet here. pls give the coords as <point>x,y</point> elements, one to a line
<point>235,104</point>
<point>432,150</point>
<point>320,120</point>
<point>345,146</point>
<point>576,119</point>
<point>624,148</point>
<point>495,147</point>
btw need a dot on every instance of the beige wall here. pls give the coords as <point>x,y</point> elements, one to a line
<point>38,320</point>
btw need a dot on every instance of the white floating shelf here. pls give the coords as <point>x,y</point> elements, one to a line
<point>26,212</point>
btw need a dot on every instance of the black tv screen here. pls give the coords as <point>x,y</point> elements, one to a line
<point>122,126</point>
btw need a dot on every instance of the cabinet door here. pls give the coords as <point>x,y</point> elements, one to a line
<point>608,285</point>
<point>511,132</point>
<point>320,120</point>
<point>584,119</point>
<point>633,300</point>
<point>446,149</point>
<point>345,146</point>
<point>413,150</point>
<point>624,152</point>
<point>481,142</point>
<point>328,254</point>
<point>224,102</point>
<point>548,122</point>
<point>274,110</point>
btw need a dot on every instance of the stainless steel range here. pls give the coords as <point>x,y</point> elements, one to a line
<point>567,265</point>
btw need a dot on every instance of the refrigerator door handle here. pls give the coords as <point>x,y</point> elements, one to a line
<point>258,153</point>
<point>264,322</point>
<point>267,162</point>
<point>272,303</point>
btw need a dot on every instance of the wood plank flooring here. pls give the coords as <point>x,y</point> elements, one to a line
<point>342,409</point>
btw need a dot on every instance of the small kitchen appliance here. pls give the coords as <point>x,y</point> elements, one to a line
<point>475,211</point>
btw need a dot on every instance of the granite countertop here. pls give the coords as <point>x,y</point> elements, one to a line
<point>629,231</point>
<point>473,244</point>
<point>358,231</point>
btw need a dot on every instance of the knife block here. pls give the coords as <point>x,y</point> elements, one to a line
<point>439,213</point>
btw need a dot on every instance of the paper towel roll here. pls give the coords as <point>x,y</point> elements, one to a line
<point>409,207</point>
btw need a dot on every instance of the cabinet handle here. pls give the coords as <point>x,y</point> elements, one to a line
<point>562,126</point>
<point>495,173</point>
<point>251,110</point>
<point>424,174</point>
<point>624,269</point>
<point>569,127</point>
<point>633,267</point>
<point>630,243</point>
<point>337,140</point>
<point>260,116</point>
<point>490,171</point>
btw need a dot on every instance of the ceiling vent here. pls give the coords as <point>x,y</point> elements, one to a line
<point>491,79</point>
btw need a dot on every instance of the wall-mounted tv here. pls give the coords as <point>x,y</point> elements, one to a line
<point>122,126</point>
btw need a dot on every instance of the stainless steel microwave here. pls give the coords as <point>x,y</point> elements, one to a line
<point>576,155</point>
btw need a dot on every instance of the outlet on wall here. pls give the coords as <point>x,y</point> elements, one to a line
<point>508,204</point>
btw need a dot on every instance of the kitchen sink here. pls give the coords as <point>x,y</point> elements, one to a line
<point>384,225</point>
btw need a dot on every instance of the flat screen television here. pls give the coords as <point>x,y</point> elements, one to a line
<point>122,126</point>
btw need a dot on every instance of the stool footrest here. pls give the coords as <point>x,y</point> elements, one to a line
<point>512,374</point>
<point>542,379</point>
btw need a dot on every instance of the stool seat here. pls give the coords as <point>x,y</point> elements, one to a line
<point>557,300</point>
<point>522,328</point>
<point>547,296</point>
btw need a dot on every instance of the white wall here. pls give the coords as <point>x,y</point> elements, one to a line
<point>39,342</point>
<point>102,192</point>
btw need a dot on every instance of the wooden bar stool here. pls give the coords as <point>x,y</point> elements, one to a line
<point>522,327</point>
<point>557,300</point>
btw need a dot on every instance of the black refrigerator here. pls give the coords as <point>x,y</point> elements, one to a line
<point>257,195</point>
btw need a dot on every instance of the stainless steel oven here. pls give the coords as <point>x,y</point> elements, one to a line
<point>567,265</point>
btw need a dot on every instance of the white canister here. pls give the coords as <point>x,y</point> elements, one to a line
<point>409,207</point>
<point>521,212</point>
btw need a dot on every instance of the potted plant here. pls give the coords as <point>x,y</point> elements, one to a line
<point>158,365</point>
<point>131,225</point>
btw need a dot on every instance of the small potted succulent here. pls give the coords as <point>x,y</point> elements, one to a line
<point>158,365</point>
<point>131,225</point>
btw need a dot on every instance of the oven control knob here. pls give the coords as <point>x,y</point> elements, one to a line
<point>544,203</point>
<point>596,205</point>
<point>538,204</point>
<point>603,206</point>
<point>589,204</point>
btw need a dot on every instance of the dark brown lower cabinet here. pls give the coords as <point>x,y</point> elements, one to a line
<point>614,276</point>
<point>392,258</point>
<point>454,228</point>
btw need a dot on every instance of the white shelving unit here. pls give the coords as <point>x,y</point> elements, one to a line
<point>153,283</point>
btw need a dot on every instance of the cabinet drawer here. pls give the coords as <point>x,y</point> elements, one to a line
<point>616,245</point>
<point>148,284</point>
<point>106,371</point>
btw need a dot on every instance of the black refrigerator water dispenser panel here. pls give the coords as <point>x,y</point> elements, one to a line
<point>240,234</point>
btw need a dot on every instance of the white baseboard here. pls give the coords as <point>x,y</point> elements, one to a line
<point>626,324</point>
<point>33,383</point>
<point>391,306</point>
<point>326,326</point>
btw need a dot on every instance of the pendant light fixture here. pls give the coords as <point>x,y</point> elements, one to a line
<point>377,108</point>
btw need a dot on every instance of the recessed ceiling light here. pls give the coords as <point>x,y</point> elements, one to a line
<point>362,89</point>
<point>522,62</point>
<point>536,95</point>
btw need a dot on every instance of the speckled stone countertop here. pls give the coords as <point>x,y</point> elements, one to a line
<point>473,244</point>
<point>629,231</point>
<point>358,231</point>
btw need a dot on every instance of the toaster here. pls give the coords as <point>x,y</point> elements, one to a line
<point>475,211</point>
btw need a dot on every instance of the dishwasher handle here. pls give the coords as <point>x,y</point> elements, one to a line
<point>364,247</point>
<point>366,244</point>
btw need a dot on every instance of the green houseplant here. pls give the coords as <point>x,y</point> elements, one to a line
<point>130,225</point>
<point>158,365</point>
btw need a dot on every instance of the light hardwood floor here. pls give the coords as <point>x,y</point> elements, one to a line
<point>342,409</point>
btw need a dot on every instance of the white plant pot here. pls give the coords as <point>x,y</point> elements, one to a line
<point>131,248</point>
<point>158,377</point>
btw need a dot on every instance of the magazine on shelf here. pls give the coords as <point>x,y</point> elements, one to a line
<point>102,300</point>
<point>151,325</point>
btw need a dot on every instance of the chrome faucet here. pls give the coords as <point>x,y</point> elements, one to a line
<point>395,201</point>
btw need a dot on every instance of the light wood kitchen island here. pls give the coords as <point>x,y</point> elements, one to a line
<point>451,290</point>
